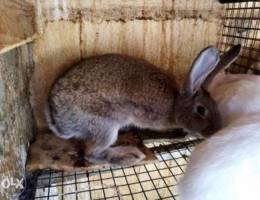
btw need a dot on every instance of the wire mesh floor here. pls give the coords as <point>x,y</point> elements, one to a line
<point>151,181</point>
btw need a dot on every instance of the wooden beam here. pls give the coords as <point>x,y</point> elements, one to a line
<point>17,23</point>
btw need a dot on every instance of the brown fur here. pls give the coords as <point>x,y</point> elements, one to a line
<point>102,94</point>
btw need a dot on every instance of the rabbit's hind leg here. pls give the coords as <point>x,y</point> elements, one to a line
<point>101,135</point>
<point>104,133</point>
<point>124,155</point>
<point>100,150</point>
<point>118,156</point>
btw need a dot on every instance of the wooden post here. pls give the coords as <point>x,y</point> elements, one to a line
<point>16,121</point>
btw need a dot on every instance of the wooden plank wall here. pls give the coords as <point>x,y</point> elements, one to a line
<point>165,32</point>
<point>17,23</point>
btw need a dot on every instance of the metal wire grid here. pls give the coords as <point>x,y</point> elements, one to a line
<point>150,181</point>
<point>241,25</point>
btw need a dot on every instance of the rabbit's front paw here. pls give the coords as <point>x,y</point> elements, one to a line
<point>124,155</point>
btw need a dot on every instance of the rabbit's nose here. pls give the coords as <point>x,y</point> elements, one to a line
<point>197,135</point>
<point>211,129</point>
<point>214,126</point>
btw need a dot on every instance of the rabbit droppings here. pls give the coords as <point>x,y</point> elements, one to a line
<point>102,94</point>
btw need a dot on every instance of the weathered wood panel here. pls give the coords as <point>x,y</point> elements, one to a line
<point>54,52</point>
<point>170,44</point>
<point>17,24</point>
<point>98,10</point>
<point>16,121</point>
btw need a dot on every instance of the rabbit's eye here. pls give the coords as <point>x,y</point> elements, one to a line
<point>201,110</point>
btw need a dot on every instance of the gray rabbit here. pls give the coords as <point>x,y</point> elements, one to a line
<point>102,94</point>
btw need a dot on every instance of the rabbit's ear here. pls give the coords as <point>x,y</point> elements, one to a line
<point>202,66</point>
<point>225,61</point>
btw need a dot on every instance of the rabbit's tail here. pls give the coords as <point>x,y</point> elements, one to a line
<point>50,119</point>
<point>54,127</point>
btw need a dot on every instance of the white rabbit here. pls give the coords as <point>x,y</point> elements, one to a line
<point>226,166</point>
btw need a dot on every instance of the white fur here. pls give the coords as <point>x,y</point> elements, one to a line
<point>227,165</point>
<point>236,95</point>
